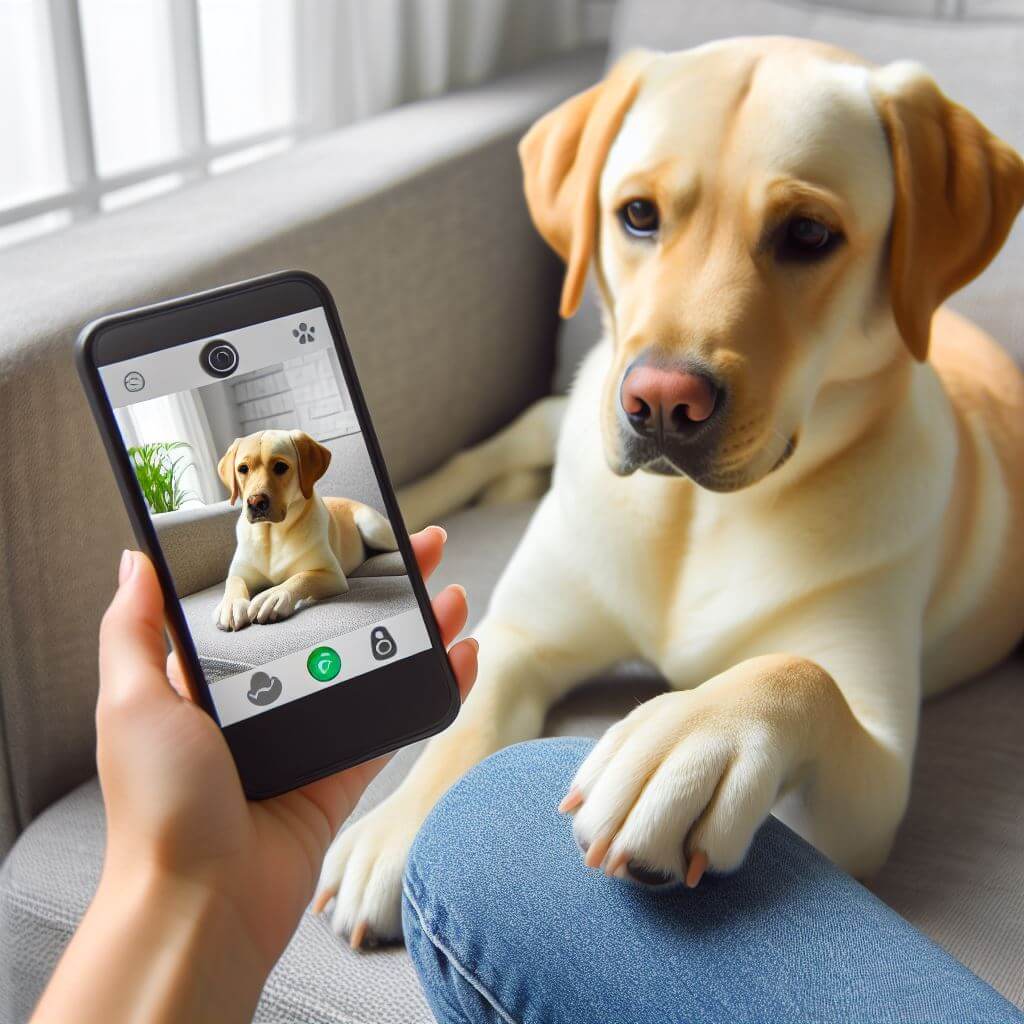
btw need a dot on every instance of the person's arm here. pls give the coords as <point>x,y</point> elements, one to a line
<point>155,948</point>
<point>201,890</point>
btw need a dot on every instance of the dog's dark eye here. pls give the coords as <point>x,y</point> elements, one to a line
<point>640,218</point>
<point>243,469</point>
<point>803,239</point>
<point>280,468</point>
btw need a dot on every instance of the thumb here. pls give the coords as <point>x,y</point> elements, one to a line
<point>133,648</point>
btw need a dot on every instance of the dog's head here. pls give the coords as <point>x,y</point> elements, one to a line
<point>766,217</point>
<point>272,471</point>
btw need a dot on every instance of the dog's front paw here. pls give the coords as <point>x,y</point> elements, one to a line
<point>363,874</point>
<point>678,786</point>
<point>272,605</point>
<point>232,613</point>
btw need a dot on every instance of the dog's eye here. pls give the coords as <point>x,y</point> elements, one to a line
<point>280,468</point>
<point>243,469</point>
<point>805,239</point>
<point>640,218</point>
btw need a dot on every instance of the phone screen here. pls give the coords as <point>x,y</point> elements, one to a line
<point>267,506</point>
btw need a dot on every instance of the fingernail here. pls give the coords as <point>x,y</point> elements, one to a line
<point>476,643</point>
<point>695,871</point>
<point>124,570</point>
<point>462,590</point>
<point>441,530</point>
<point>570,801</point>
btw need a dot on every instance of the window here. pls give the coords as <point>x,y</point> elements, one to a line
<point>119,100</point>
<point>104,103</point>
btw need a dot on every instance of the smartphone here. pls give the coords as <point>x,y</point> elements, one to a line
<point>246,456</point>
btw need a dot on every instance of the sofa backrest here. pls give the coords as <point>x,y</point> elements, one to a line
<point>415,221</point>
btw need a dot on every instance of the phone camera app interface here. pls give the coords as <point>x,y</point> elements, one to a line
<point>267,508</point>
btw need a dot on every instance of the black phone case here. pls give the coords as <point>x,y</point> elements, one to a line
<point>146,534</point>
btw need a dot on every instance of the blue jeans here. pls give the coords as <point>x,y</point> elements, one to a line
<point>504,923</point>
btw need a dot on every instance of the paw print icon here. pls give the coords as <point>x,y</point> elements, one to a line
<point>263,689</point>
<point>306,333</point>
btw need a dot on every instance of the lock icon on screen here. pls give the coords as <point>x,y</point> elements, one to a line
<point>382,644</point>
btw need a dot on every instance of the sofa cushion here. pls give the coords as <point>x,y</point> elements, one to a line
<point>957,871</point>
<point>976,60</point>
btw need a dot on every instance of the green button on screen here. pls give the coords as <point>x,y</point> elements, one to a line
<point>324,663</point>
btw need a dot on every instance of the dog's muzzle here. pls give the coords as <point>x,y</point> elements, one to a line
<point>670,417</point>
<point>257,508</point>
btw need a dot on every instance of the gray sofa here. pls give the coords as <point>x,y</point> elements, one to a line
<point>416,222</point>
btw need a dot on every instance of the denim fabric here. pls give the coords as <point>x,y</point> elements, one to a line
<point>505,924</point>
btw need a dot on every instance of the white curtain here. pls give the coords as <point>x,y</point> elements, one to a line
<point>178,417</point>
<point>379,53</point>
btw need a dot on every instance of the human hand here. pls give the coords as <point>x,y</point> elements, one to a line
<point>174,802</point>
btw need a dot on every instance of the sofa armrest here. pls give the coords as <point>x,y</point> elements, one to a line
<point>414,219</point>
<point>198,543</point>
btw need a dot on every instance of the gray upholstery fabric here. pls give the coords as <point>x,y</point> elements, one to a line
<point>387,563</point>
<point>416,222</point>
<point>957,871</point>
<point>198,543</point>
<point>369,600</point>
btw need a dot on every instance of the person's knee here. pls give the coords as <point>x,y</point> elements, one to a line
<point>495,835</point>
<point>523,783</point>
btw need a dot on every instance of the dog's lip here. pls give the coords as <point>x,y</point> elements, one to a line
<point>661,463</point>
<point>787,452</point>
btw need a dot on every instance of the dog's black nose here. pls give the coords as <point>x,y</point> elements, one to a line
<point>666,401</point>
<point>258,502</point>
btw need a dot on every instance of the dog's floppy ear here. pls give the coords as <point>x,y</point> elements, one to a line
<point>958,189</point>
<point>226,470</point>
<point>563,155</point>
<point>314,459</point>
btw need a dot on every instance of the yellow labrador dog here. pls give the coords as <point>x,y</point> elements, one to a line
<point>294,547</point>
<point>785,476</point>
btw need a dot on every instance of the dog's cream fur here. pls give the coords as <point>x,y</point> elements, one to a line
<point>300,548</point>
<point>854,543</point>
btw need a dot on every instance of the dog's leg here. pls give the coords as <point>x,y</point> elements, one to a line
<point>545,632</point>
<point>280,602</point>
<point>685,781</point>
<point>522,485</point>
<point>527,443</point>
<point>233,611</point>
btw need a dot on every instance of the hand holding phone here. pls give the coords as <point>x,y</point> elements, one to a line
<point>245,453</point>
<point>200,891</point>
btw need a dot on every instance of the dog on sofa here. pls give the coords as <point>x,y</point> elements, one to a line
<point>786,476</point>
<point>293,547</point>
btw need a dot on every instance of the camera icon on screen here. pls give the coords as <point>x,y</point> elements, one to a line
<point>219,358</point>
